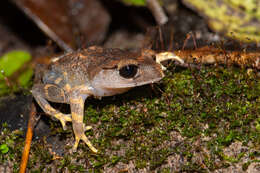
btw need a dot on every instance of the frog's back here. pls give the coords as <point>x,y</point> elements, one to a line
<point>80,67</point>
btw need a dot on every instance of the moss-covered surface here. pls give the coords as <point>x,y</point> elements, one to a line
<point>194,121</point>
<point>237,19</point>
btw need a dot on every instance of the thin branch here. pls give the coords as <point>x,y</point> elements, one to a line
<point>31,123</point>
<point>157,11</point>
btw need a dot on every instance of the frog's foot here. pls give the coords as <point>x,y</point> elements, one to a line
<point>163,56</point>
<point>83,137</point>
<point>63,119</point>
<point>88,128</point>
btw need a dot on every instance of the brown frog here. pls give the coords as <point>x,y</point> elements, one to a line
<point>97,72</point>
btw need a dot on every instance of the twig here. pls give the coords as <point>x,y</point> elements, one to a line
<point>31,123</point>
<point>212,55</point>
<point>190,34</point>
<point>157,11</point>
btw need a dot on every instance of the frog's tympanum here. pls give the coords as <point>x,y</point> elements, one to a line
<point>97,72</point>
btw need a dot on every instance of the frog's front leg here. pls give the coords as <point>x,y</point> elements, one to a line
<point>51,92</point>
<point>77,113</point>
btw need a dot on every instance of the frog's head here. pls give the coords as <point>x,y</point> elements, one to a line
<point>120,74</point>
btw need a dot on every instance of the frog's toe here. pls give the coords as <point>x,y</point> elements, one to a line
<point>86,140</point>
<point>63,123</point>
<point>88,128</point>
<point>63,119</point>
<point>75,146</point>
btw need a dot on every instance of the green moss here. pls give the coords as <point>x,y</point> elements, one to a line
<point>193,114</point>
<point>14,142</point>
<point>135,2</point>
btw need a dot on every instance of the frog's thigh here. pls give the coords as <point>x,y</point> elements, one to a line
<point>51,92</point>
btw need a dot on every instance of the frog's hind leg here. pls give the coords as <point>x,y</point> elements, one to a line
<point>51,92</point>
<point>77,112</point>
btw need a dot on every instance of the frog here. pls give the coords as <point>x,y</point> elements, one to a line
<point>94,71</point>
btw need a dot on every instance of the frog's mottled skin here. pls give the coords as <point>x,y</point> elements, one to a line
<point>91,72</point>
<point>238,19</point>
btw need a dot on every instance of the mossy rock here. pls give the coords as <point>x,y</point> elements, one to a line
<point>234,18</point>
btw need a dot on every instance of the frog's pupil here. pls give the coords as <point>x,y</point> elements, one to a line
<point>128,71</point>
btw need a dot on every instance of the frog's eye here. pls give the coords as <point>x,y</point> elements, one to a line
<point>128,71</point>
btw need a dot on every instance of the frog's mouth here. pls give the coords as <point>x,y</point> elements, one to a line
<point>110,87</point>
<point>114,89</point>
<point>123,83</point>
<point>135,83</point>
